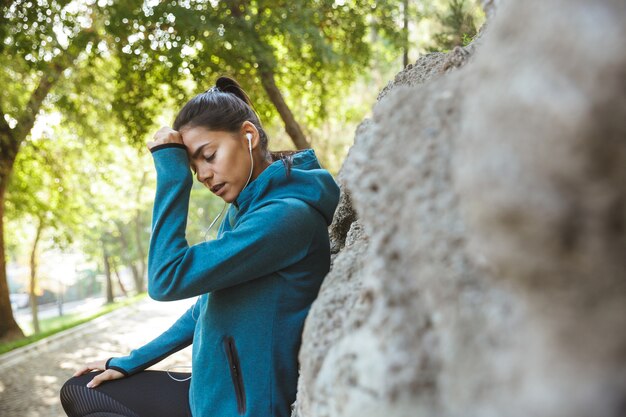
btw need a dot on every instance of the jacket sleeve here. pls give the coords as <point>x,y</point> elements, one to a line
<point>268,239</point>
<point>177,337</point>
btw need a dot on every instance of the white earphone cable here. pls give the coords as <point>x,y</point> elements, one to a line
<point>244,187</point>
<point>206,232</point>
<point>177,379</point>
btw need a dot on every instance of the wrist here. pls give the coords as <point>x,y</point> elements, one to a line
<point>171,163</point>
<point>167,145</point>
<point>115,368</point>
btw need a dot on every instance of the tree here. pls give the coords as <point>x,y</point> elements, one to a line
<point>42,190</point>
<point>282,52</point>
<point>32,55</point>
<point>458,23</point>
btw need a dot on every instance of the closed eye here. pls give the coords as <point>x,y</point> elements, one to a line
<point>209,158</point>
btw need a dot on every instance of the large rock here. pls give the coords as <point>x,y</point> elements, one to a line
<point>486,275</point>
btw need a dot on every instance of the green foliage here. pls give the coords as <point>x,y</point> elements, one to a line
<point>43,188</point>
<point>165,52</point>
<point>34,37</point>
<point>312,48</point>
<point>467,39</point>
<point>459,21</point>
<point>30,32</point>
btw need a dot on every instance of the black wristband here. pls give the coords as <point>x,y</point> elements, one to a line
<point>167,145</point>
<point>117,368</point>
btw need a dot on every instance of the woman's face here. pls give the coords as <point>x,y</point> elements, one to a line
<point>220,160</point>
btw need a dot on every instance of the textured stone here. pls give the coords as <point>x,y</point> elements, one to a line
<point>425,68</point>
<point>491,186</point>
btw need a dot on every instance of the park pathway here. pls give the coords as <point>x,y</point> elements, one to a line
<point>30,379</point>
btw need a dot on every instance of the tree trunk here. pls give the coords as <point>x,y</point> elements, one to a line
<point>291,126</point>
<point>60,298</point>
<point>128,260</point>
<point>10,140</point>
<point>34,307</point>
<point>119,279</point>
<point>9,330</point>
<point>266,74</point>
<point>93,287</point>
<point>139,281</point>
<point>107,274</point>
<point>141,253</point>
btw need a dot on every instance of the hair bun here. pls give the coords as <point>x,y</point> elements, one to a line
<point>228,85</point>
<point>225,82</point>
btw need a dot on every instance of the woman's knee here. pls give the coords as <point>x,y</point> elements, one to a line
<point>71,394</point>
<point>74,385</point>
<point>78,400</point>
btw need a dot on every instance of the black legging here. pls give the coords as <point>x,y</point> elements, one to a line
<point>144,394</point>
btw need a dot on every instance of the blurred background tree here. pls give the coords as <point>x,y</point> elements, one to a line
<point>460,21</point>
<point>86,82</point>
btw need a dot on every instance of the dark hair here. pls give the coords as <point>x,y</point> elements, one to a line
<point>224,108</point>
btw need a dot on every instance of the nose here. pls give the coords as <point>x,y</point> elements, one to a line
<point>204,174</point>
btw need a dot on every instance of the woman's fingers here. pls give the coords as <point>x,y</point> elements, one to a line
<point>107,375</point>
<point>98,379</point>
<point>165,135</point>
<point>81,371</point>
<point>90,366</point>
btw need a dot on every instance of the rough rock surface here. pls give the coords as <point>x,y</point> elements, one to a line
<point>489,7</point>
<point>486,275</point>
<point>425,68</point>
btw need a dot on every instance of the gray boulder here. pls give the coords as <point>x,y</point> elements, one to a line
<point>486,273</point>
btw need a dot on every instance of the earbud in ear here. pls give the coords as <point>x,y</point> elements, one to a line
<point>249,136</point>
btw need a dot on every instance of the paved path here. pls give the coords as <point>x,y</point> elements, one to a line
<point>24,316</point>
<point>30,380</point>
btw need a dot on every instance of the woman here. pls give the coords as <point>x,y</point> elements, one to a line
<point>256,281</point>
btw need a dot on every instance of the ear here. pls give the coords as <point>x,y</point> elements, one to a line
<point>248,128</point>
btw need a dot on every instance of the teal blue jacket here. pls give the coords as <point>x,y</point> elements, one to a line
<point>256,283</point>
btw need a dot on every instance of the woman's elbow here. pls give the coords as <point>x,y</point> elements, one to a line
<point>161,291</point>
<point>157,294</point>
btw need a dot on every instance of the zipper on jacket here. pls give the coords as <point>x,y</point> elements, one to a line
<point>235,373</point>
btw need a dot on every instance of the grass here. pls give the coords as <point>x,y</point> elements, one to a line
<point>54,325</point>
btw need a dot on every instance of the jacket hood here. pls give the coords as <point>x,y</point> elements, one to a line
<point>307,181</point>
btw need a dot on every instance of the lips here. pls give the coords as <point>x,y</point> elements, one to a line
<point>216,188</point>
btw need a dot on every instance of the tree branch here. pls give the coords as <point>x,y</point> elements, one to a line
<point>8,150</point>
<point>6,4</point>
<point>266,74</point>
<point>56,67</point>
<point>291,125</point>
<point>5,129</point>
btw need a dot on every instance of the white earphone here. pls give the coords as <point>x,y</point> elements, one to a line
<point>249,136</point>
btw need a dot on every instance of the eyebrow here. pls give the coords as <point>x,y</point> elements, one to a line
<point>196,153</point>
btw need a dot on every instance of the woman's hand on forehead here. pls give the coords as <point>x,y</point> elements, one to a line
<point>165,135</point>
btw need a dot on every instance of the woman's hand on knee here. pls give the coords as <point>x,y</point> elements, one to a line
<point>107,375</point>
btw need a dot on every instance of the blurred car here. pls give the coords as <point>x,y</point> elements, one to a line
<point>19,300</point>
